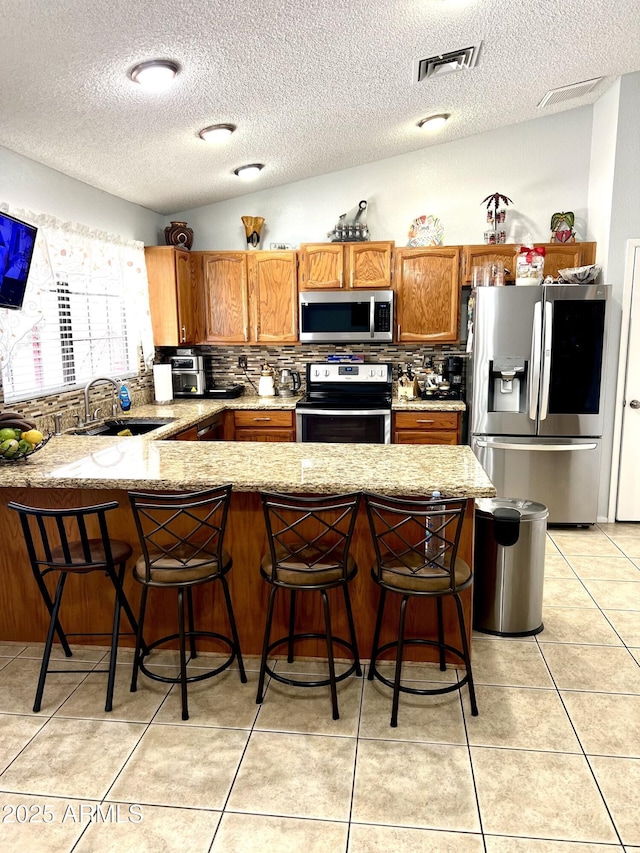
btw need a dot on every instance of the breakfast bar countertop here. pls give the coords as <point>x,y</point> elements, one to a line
<point>146,462</point>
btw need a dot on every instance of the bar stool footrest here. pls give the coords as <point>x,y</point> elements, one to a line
<point>449,688</point>
<point>325,682</point>
<point>190,678</point>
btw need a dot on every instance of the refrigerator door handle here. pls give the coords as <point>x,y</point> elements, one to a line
<point>546,360</point>
<point>536,354</point>
<point>504,445</point>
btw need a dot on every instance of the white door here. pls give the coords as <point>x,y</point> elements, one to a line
<point>628,505</point>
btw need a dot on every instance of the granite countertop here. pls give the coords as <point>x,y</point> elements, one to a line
<point>147,462</point>
<point>428,406</point>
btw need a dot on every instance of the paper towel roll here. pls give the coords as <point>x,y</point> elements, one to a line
<point>162,384</point>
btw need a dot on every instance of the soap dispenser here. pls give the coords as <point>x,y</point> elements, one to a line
<point>125,400</point>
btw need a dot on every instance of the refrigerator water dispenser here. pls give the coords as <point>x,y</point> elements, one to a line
<point>507,386</point>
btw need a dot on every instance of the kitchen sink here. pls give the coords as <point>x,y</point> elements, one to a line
<point>137,426</point>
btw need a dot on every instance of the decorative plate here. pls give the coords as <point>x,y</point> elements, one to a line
<point>426,231</point>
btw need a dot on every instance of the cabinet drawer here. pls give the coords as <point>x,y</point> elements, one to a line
<point>423,436</point>
<point>264,418</point>
<point>426,420</point>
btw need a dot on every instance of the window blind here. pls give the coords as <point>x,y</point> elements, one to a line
<point>84,332</point>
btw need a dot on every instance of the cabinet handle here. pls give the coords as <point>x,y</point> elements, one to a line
<point>184,333</point>
<point>340,279</point>
<point>262,419</point>
<point>424,421</point>
<point>398,331</point>
<point>255,332</point>
<point>351,279</point>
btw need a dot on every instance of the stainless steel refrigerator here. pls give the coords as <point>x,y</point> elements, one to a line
<point>536,394</point>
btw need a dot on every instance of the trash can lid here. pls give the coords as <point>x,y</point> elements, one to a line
<point>529,510</point>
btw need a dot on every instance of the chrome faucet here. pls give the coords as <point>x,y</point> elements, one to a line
<point>88,417</point>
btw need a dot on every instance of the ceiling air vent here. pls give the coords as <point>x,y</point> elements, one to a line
<point>566,93</point>
<point>445,63</point>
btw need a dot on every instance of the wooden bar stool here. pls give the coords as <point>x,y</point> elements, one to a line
<point>309,541</point>
<point>181,537</point>
<point>416,544</point>
<point>64,541</point>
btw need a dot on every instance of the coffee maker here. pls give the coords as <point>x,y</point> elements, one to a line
<point>452,373</point>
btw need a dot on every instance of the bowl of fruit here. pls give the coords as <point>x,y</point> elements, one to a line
<point>19,437</point>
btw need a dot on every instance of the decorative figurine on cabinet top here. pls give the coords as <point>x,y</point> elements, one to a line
<point>252,227</point>
<point>352,226</point>
<point>179,234</point>
<point>562,227</point>
<point>496,217</point>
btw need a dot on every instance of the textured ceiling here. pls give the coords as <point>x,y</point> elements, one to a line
<point>313,85</point>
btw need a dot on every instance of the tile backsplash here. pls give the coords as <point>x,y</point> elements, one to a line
<point>222,369</point>
<point>221,363</point>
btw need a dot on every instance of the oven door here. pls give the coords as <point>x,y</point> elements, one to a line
<point>362,426</point>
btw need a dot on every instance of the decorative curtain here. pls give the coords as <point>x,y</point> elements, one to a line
<point>66,249</point>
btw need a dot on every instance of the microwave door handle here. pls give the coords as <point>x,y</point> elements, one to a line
<point>546,360</point>
<point>372,318</point>
<point>536,355</point>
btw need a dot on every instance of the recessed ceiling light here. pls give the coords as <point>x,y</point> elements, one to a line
<point>250,172</point>
<point>155,75</point>
<point>217,132</point>
<point>434,122</point>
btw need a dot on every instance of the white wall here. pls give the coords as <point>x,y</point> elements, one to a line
<point>31,186</point>
<point>543,165</point>
<point>624,224</point>
<point>602,170</point>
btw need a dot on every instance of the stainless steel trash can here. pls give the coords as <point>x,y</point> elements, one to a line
<point>509,566</point>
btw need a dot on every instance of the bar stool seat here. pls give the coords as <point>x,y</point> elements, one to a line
<point>181,540</point>
<point>58,543</point>
<point>309,540</point>
<point>416,544</point>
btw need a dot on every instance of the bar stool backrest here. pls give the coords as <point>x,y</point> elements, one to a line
<point>71,539</point>
<point>416,537</point>
<point>184,530</point>
<point>309,535</point>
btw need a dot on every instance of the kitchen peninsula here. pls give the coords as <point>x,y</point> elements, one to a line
<point>80,470</point>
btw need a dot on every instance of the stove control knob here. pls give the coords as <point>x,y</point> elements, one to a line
<point>326,372</point>
<point>316,372</point>
<point>381,371</point>
<point>372,372</point>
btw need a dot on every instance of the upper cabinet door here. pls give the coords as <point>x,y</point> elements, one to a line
<point>369,264</point>
<point>428,286</point>
<point>227,311</point>
<point>273,296</point>
<point>321,266</point>
<point>187,303</point>
<point>562,256</point>
<point>503,255</point>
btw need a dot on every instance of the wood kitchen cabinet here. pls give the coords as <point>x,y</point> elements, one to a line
<point>426,427</point>
<point>174,301</point>
<point>427,283</point>
<point>250,297</point>
<point>326,266</point>
<point>557,256</point>
<point>264,425</point>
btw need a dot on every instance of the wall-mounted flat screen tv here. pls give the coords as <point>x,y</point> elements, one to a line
<point>17,240</point>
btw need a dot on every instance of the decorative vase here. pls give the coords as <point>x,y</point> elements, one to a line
<point>179,234</point>
<point>252,228</point>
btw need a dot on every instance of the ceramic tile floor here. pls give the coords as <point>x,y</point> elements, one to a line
<point>551,764</point>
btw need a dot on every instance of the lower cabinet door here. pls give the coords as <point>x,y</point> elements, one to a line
<point>417,436</point>
<point>264,434</point>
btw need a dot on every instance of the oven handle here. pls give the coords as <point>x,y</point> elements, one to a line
<point>372,317</point>
<point>346,412</point>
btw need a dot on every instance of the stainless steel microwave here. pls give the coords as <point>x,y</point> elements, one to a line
<point>330,316</point>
